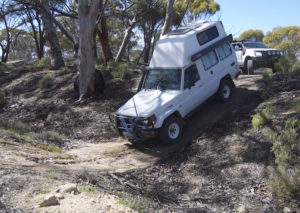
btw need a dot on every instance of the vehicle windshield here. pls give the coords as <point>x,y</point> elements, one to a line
<point>163,79</point>
<point>254,45</point>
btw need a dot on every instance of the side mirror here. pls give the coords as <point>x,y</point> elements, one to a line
<point>237,48</point>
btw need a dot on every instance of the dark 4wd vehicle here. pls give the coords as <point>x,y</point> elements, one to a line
<point>253,54</point>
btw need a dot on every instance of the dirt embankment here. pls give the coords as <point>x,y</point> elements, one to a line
<point>220,166</point>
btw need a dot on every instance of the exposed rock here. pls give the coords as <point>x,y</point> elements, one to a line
<point>242,209</point>
<point>50,200</point>
<point>287,210</point>
<point>68,188</point>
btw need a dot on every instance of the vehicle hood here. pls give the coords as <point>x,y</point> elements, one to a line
<point>263,49</point>
<point>147,103</point>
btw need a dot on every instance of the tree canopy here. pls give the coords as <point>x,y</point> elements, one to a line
<point>285,38</point>
<point>257,35</point>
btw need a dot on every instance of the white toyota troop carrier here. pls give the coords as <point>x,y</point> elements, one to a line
<point>188,66</point>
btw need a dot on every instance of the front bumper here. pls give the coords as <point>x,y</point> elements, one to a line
<point>265,60</point>
<point>132,127</point>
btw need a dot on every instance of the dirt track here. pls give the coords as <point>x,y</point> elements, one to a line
<point>208,171</point>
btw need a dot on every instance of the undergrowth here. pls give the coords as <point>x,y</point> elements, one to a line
<point>118,70</point>
<point>46,82</point>
<point>23,133</point>
<point>285,174</point>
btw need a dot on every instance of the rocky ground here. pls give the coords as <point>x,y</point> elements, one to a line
<point>220,166</point>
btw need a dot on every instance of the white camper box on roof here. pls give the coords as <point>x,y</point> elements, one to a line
<point>176,48</point>
<point>188,66</point>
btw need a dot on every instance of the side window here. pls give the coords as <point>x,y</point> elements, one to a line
<point>191,76</point>
<point>224,51</point>
<point>207,35</point>
<point>209,60</point>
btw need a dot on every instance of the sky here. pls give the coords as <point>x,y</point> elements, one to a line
<point>241,15</point>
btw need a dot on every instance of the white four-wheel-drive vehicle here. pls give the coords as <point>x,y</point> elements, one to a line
<point>254,54</point>
<point>188,66</point>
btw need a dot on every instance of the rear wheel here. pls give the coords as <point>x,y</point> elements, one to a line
<point>171,131</point>
<point>250,67</point>
<point>225,90</point>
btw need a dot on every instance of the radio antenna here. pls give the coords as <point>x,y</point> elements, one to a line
<point>135,107</point>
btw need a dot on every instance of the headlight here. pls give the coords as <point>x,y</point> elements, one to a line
<point>258,54</point>
<point>151,121</point>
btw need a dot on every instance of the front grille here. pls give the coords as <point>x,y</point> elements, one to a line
<point>129,121</point>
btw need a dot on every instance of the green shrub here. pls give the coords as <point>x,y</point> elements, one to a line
<point>286,67</point>
<point>262,117</point>
<point>120,69</point>
<point>42,63</point>
<point>267,77</point>
<point>296,106</point>
<point>286,148</point>
<point>15,126</point>
<point>296,68</point>
<point>46,82</point>
<point>3,68</point>
<point>3,99</point>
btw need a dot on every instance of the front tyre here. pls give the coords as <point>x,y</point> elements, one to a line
<point>171,131</point>
<point>250,67</point>
<point>225,90</point>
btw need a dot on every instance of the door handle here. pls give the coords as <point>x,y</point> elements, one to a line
<point>200,85</point>
<point>211,72</point>
<point>232,64</point>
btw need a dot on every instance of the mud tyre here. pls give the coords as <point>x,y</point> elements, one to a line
<point>250,67</point>
<point>225,91</point>
<point>171,131</point>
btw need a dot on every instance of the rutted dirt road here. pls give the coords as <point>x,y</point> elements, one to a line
<point>221,165</point>
<point>32,169</point>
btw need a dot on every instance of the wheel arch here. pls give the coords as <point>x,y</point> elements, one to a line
<point>175,113</point>
<point>228,78</point>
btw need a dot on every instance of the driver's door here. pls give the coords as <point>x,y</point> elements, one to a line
<point>239,53</point>
<point>191,93</point>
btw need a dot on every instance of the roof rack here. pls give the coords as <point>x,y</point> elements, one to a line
<point>187,28</point>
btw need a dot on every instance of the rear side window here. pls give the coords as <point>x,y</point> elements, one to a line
<point>224,51</point>
<point>191,76</point>
<point>209,60</point>
<point>207,35</point>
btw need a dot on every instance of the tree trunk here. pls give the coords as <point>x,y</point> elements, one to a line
<point>168,19</point>
<point>104,40</point>
<point>88,12</point>
<point>147,41</point>
<point>95,44</point>
<point>126,39</point>
<point>50,33</point>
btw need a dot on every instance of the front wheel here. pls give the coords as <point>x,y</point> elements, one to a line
<point>225,90</point>
<point>171,131</point>
<point>250,67</point>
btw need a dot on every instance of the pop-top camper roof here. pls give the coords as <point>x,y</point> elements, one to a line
<point>176,48</point>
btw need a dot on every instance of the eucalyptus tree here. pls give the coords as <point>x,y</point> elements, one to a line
<point>257,35</point>
<point>285,38</point>
<point>9,33</point>
<point>88,14</point>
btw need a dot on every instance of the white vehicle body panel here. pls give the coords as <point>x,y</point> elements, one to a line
<point>175,51</point>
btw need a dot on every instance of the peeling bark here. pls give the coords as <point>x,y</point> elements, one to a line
<point>50,34</point>
<point>168,19</point>
<point>88,12</point>
<point>126,39</point>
